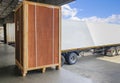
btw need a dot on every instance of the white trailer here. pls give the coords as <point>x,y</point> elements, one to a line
<point>78,36</point>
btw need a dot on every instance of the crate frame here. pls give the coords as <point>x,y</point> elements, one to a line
<point>24,68</point>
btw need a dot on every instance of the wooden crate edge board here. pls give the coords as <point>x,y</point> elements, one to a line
<point>40,67</point>
<point>25,38</point>
<point>18,64</point>
<point>35,3</point>
<point>41,4</point>
<point>60,29</point>
<point>18,7</point>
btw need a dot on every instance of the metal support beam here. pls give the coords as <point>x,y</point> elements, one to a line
<point>11,4</point>
<point>58,2</point>
<point>1,1</point>
<point>1,22</point>
<point>8,8</point>
<point>9,18</point>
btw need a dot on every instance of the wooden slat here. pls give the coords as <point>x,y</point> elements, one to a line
<point>25,38</point>
<point>45,66</point>
<point>20,33</point>
<point>41,4</point>
<point>19,65</point>
<point>18,7</point>
<point>60,27</point>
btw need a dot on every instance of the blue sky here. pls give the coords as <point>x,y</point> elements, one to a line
<point>93,10</point>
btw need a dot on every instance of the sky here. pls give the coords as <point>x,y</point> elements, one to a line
<point>93,10</point>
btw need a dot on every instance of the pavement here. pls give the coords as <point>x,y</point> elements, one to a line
<point>88,69</point>
<point>10,74</point>
<point>100,69</point>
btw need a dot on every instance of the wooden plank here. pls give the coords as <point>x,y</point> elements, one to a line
<point>42,4</point>
<point>18,7</point>
<point>22,24</point>
<point>45,66</point>
<point>19,65</point>
<point>43,70</point>
<point>25,38</point>
<point>17,46</point>
<point>60,17</point>
<point>19,29</point>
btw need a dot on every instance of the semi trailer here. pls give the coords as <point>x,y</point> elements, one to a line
<point>80,36</point>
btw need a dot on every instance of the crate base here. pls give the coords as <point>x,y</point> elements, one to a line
<point>24,73</point>
<point>43,68</point>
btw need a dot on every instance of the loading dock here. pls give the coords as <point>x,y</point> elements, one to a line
<point>8,74</point>
<point>90,69</point>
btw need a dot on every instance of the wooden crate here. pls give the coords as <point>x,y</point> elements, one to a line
<point>38,30</point>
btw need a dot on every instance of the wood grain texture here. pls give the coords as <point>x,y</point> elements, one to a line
<point>17,50</point>
<point>37,36</point>
<point>31,36</point>
<point>21,31</point>
<point>44,35</point>
<point>19,34</point>
<point>56,35</point>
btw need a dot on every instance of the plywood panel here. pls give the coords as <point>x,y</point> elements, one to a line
<point>21,31</point>
<point>19,35</point>
<point>44,35</point>
<point>17,25</point>
<point>31,36</point>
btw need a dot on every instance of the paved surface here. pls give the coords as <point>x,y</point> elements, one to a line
<point>89,69</point>
<point>100,69</point>
<point>9,74</point>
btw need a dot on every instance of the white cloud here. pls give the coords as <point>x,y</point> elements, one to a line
<point>75,18</point>
<point>110,19</point>
<point>71,13</point>
<point>114,19</point>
